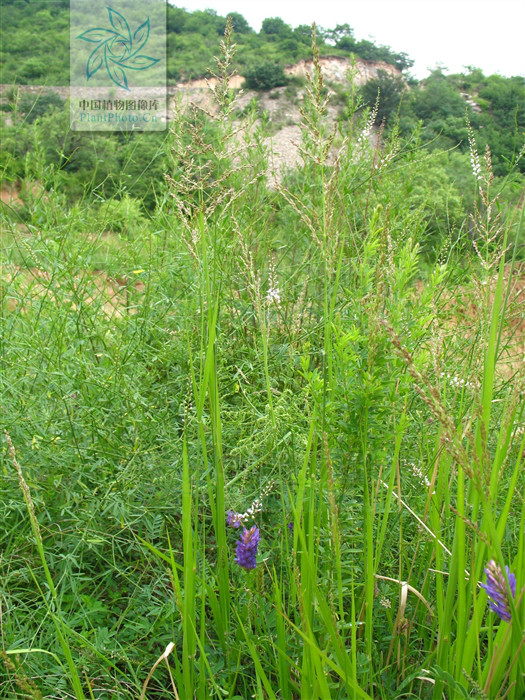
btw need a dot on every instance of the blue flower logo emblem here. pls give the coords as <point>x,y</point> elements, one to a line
<point>117,49</point>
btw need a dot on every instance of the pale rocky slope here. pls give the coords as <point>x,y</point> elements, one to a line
<point>282,104</point>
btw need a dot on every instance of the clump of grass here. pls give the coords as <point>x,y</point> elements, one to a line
<point>286,348</point>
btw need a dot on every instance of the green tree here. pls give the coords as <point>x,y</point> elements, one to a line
<point>274,26</point>
<point>204,22</point>
<point>390,91</point>
<point>438,97</point>
<point>176,19</point>
<point>240,24</point>
<point>346,43</point>
<point>303,34</point>
<point>33,69</point>
<point>341,31</point>
<point>290,49</point>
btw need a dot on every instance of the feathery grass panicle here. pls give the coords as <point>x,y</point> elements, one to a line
<point>206,166</point>
<point>25,489</point>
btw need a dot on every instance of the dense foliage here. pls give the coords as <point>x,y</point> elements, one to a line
<point>494,105</point>
<point>432,115</point>
<point>103,163</point>
<point>265,76</point>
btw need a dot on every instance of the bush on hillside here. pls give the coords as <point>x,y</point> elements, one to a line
<point>265,76</point>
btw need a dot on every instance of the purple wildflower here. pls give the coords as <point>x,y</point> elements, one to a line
<point>497,590</point>
<point>247,548</point>
<point>233,519</point>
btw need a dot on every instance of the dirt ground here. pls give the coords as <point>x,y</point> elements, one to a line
<point>466,311</point>
<point>112,296</point>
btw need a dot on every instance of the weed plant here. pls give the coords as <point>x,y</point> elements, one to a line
<point>253,448</point>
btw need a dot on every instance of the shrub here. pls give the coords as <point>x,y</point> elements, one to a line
<point>34,107</point>
<point>265,76</point>
<point>121,215</point>
<point>390,90</point>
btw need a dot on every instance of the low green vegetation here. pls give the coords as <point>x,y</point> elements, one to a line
<point>261,441</point>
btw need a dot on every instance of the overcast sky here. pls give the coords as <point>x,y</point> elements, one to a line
<point>487,34</point>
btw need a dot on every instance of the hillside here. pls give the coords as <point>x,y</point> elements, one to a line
<point>192,41</point>
<point>278,54</point>
<point>270,67</point>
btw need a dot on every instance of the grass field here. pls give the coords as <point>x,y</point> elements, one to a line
<point>298,360</point>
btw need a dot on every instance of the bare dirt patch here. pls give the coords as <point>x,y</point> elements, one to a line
<point>467,311</point>
<point>114,297</point>
<point>11,196</point>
